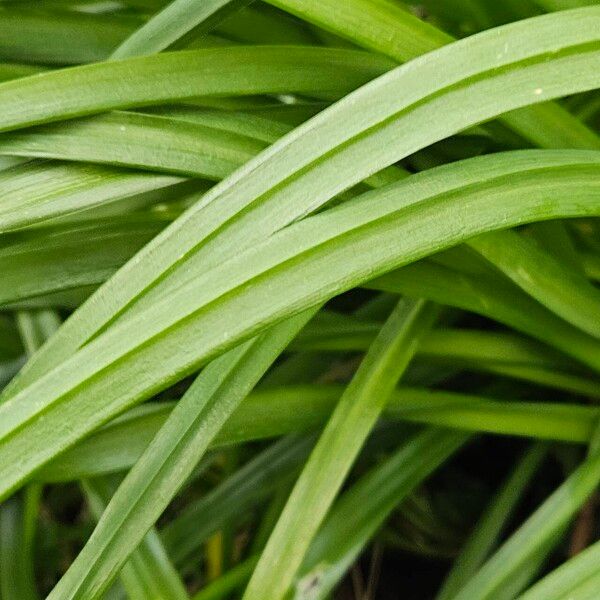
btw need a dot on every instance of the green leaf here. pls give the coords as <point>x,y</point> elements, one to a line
<point>541,529</point>
<point>129,139</point>
<point>549,125</point>
<point>148,573</point>
<point>383,26</point>
<point>262,24</point>
<point>15,70</point>
<point>228,582</point>
<point>402,112</point>
<point>8,369</point>
<point>60,37</point>
<point>57,258</point>
<point>563,290</point>
<point>350,525</point>
<point>291,271</point>
<point>376,25</point>
<point>568,579</point>
<point>197,143</point>
<point>354,416</point>
<point>42,191</point>
<point>562,4</point>
<point>19,514</point>
<point>170,458</point>
<point>495,519</point>
<point>214,282</point>
<point>278,411</point>
<point>175,21</point>
<point>17,581</point>
<point>494,352</point>
<point>380,25</point>
<point>36,327</point>
<point>237,494</point>
<point>492,297</point>
<point>98,87</point>
<point>363,508</point>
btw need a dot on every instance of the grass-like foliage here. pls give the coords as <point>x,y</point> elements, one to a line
<point>299,299</point>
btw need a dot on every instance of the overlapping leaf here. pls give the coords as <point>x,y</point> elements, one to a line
<point>251,253</point>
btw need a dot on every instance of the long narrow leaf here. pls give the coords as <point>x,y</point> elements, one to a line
<point>333,142</point>
<point>333,251</point>
<point>361,510</point>
<point>184,75</point>
<point>564,291</point>
<point>345,432</point>
<point>383,26</point>
<point>170,459</point>
<point>487,531</point>
<point>149,573</point>
<point>540,529</point>
<point>277,411</point>
<point>565,581</point>
<point>243,490</point>
<point>176,20</point>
